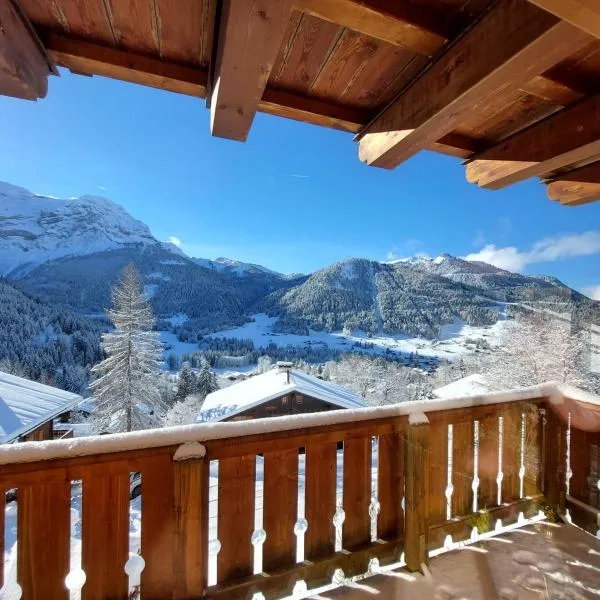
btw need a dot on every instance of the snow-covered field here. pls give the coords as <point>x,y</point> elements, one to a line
<point>452,342</point>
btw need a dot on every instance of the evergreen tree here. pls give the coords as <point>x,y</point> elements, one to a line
<point>207,382</point>
<point>127,387</point>
<point>186,383</point>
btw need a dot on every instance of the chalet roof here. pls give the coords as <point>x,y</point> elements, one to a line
<point>508,85</point>
<point>471,385</point>
<point>275,383</point>
<point>25,405</point>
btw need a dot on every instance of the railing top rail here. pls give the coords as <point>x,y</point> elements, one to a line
<point>205,432</point>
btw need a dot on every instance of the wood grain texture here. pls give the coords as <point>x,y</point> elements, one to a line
<point>135,25</point>
<point>511,44</point>
<point>92,59</point>
<point>320,483</point>
<point>417,469</point>
<point>23,66</point>
<point>511,454</point>
<point>158,527</point>
<point>191,481</point>
<point>584,14</point>
<point>438,468</point>
<point>576,187</point>
<point>280,509</point>
<point>555,461</point>
<point>105,535</point>
<point>357,493</point>
<point>44,540</point>
<point>396,22</point>
<point>488,463</point>
<point>250,35</point>
<point>390,486</point>
<point>462,469</point>
<point>237,479</point>
<point>564,138</point>
<point>2,530</point>
<point>532,483</point>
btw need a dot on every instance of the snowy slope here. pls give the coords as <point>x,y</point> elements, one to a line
<point>35,229</point>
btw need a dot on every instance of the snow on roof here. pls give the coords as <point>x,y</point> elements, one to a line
<point>25,405</point>
<point>277,382</point>
<point>471,385</point>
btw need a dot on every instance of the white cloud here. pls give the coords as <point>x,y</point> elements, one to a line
<point>593,292</point>
<point>546,250</point>
<point>175,241</point>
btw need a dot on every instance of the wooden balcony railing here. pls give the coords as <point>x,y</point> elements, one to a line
<point>405,476</point>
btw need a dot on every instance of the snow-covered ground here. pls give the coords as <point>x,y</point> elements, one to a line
<point>452,342</point>
<point>174,346</point>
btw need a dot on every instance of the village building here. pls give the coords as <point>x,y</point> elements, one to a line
<point>280,391</point>
<point>28,410</point>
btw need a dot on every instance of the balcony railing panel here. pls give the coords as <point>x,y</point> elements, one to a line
<point>427,468</point>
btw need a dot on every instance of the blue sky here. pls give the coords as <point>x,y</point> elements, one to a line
<point>295,197</point>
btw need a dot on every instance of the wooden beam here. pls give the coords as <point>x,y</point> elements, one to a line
<point>551,90</point>
<point>584,14</point>
<point>558,141</point>
<point>394,21</point>
<point>24,68</point>
<point>250,36</point>
<point>93,59</point>
<point>507,48</point>
<point>580,186</point>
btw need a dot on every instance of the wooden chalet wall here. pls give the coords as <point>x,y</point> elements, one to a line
<point>43,432</point>
<point>290,404</point>
<point>510,86</point>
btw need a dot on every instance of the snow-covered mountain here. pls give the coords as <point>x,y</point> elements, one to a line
<point>234,267</point>
<point>35,229</point>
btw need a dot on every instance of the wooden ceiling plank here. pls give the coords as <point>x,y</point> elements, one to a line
<point>580,186</point>
<point>584,14</point>
<point>92,59</point>
<point>24,68</point>
<point>394,21</point>
<point>508,47</point>
<point>562,139</point>
<point>250,36</point>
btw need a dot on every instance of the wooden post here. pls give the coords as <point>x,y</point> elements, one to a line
<point>191,480</point>
<point>555,458</point>
<point>417,495</point>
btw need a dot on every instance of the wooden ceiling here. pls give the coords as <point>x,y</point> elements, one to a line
<point>510,86</point>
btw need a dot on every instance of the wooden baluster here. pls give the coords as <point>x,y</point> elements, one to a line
<point>357,493</point>
<point>158,527</point>
<point>390,486</point>
<point>321,471</point>
<point>532,484</point>
<point>104,534</point>
<point>462,469</point>
<point>488,462</point>
<point>555,462</point>
<point>44,540</point>
<point>417,469</point>
<point>280,508</point>
<point>511,454</point>
<point>191,481</point>
<point>438,465</point>
<point>237,478</point>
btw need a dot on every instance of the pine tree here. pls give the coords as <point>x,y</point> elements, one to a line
<point>186,383</point>
<point>207,382</point>
<point>127,390</point>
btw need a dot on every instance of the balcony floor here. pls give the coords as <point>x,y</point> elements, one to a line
<point>541,561</point>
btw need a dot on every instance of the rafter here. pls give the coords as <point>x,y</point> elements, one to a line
<point>513,43</point>
<point>93,59</point>
<point>560,140</point>
<point>580,186</point>
<point>24,67</point>
<point>250,36</point>
<point>395,21</point>
<point>584,14</point>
